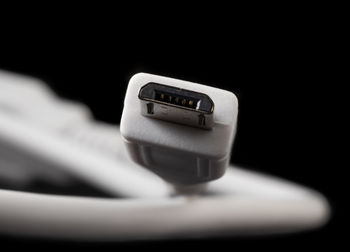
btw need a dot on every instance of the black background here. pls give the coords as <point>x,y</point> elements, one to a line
<point>284,68</point>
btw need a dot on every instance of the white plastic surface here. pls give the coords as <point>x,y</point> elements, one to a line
<point>100,219</point>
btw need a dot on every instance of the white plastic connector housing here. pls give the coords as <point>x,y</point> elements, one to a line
<point>180,154</point>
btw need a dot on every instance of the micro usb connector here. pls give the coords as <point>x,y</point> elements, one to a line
<point>172,128</point>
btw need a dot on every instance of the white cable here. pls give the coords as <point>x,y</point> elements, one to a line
<point>100,219</point>
<point>241,202</point>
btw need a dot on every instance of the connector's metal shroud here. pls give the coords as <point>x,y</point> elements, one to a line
<point>192,108</point>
